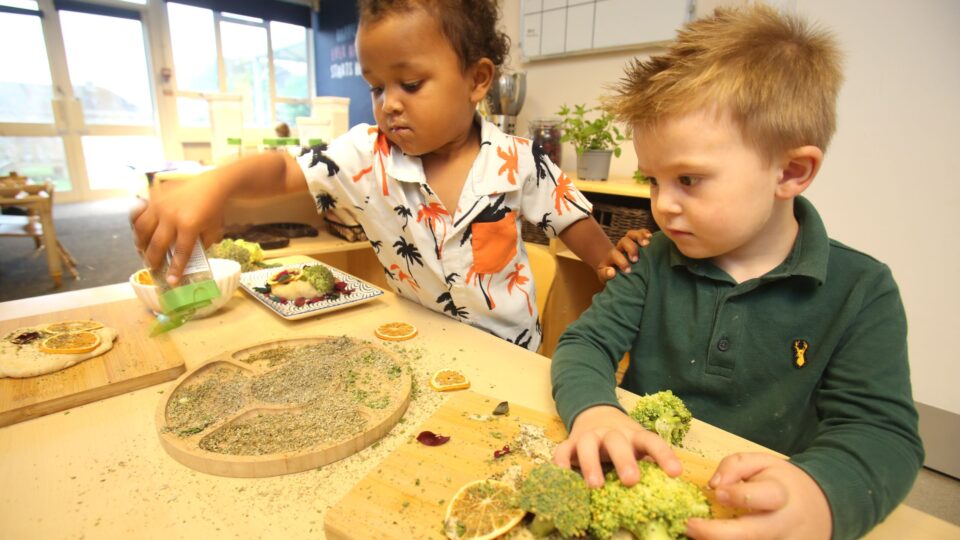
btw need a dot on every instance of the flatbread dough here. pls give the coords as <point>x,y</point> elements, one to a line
<point>28,360</point>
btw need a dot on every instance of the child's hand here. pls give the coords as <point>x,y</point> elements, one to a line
<point>784,500</point>
<point>626,252</point>
<point>176,215</point>
<point>605,433</point>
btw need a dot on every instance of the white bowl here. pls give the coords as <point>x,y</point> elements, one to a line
<point>225,272</point>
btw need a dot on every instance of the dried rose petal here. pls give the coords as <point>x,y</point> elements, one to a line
<point>430,438</point>
<point>24,338</point>
<point>497,454</point>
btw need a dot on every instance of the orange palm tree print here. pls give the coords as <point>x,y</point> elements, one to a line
<point>434,213</point>
<point>516,279</point>
<point>473,276</point>
<point>381,149</point>
<point>560,192</point>
<point>403,276</point>
<point>511,163</point>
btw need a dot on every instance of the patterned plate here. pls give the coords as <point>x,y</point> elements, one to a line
<point>362,292</point>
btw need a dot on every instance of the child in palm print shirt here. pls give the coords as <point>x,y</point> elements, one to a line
<point>438,191</point>
<point>467,261</point>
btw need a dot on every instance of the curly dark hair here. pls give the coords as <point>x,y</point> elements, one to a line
<point>469,25</point>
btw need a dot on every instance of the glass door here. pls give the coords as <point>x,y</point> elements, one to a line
<point>91,126</point>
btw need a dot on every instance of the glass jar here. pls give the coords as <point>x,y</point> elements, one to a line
<point>545,133</point>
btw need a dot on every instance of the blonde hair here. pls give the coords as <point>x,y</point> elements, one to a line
<point>777,76</point>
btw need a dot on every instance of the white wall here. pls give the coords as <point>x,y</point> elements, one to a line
<point>888,186</point>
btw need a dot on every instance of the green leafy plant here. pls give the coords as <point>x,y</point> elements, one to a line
<point>640,178</point>
<point>597,134</point>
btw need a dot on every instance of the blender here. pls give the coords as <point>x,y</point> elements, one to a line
<point>505,99</point>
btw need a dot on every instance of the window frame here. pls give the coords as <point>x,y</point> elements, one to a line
<point>188,135</point>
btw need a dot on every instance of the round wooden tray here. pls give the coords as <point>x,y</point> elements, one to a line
<point>256,405</point>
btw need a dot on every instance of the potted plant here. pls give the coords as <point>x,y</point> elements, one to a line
<point>595,140</point>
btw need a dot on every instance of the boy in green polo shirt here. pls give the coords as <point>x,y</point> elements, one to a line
<point>742,305</point>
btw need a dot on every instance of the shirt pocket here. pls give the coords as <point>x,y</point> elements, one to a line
<point>494,243</point>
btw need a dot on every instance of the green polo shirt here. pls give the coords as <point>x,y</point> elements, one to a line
<point>842,409</point>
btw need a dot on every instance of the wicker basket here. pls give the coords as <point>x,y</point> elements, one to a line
<point>350,233</point>
<point>617,220</point>
<point>531,233</point>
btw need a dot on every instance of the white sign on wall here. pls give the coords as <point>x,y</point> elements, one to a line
<point>558,27</point>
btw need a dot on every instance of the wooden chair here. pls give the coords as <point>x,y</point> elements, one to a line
<point>37,199</point>
<point>543,266</point>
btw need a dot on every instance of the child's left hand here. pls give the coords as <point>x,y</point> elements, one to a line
<point>784,501</point>
<point>625,254</point>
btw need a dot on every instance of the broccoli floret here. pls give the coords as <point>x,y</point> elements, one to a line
<point>559,499</point>
<point>655,508</point>
<point>320,277</point>
<point>228,249</point>
<point>248,254</point>
<point>256,252</point>
<point>665,414</point>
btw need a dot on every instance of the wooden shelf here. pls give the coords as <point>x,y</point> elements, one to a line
<point>321,244</point>
<point>623,186</point>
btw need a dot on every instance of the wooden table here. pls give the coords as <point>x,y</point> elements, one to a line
<point>98,471</point>
<point>38,200</point>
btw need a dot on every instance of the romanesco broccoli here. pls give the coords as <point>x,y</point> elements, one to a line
<point>559,499</point>
<point>665,414</point>
<point>320,277</point>
<point>656,508</point>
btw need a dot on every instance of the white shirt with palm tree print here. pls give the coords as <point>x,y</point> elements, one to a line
<point>469,264</point>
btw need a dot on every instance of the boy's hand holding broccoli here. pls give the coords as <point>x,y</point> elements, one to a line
<point>778,494</point>
<point>784,501</point>
<point>605,433</point>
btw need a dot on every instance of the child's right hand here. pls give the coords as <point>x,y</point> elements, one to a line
<point>177,214</point>
<point>626,253</point>
<point>605,433</point>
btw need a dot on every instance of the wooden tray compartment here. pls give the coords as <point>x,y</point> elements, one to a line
<point>241,386</point>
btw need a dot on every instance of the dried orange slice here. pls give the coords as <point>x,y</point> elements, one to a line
<point>72,326</point>
<point>71,343</point>
<point>143,277</point>
<point>396,331</point>
<point>481,510</point>
<point>449,379</point>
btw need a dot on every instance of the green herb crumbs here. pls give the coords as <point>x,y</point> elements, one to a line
<point>325,386</point>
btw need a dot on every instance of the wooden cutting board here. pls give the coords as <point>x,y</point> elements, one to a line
<point>135,361</point>
<point>406,496</point>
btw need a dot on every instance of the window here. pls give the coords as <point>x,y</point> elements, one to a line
<point>194,48</point>
<point>25,87</point>
<point>219,52</point>
<point>291,71</point>
<point>110,81</point>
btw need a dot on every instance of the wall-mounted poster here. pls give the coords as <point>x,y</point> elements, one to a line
<point>338,70</point>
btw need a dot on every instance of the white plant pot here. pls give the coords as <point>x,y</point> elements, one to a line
<point>594,164</point>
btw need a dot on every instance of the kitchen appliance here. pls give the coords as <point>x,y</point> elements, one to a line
<point>505,99</point>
